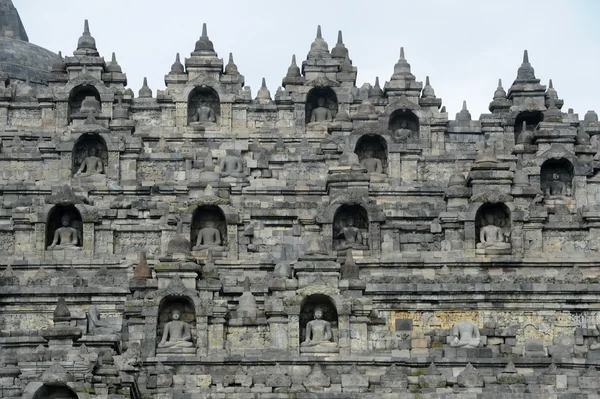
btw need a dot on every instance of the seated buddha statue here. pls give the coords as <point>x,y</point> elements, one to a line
<point>466,335</point>
<point>209,238</point>
<point>318,332</point>
<point>65,236</point>
<point>492,236</point>
<point>177,333</point>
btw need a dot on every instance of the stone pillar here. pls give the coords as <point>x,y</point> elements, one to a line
<point>66,160</point>
<point>300,117</point>
<point>327,235</point>
<point>202,335</point>
<point>294,333</point>
<point>226,120</point>
<point>38,239</point>
<point>394,165</point>
<point>112,169</point>
<point>375,238</point>
<point>181,116</point>
<point>232,239</point>
<point>344,334</point>
<point>88,238</point>
<point>470,239</point>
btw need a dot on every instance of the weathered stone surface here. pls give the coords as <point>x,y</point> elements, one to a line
<point>477,237</point>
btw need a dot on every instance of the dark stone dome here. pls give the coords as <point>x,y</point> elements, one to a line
<point>20,59</point>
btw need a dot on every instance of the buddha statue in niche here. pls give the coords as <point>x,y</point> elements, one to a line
<point>556,187</point>
<point>403,133</point>
<point>65,236</point>
<point>491,236</point>
<point>177,333</point>
<point>318,332</point>
<point>91,165</point>
<point>203,114</point>
<point>209,238</point>
<point>372,164</point>
<point>466,335</point>
<point>90,105</point>
<point>321,113</point>
<point>352,236</point>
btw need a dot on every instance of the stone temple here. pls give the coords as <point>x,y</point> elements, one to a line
<point>323,241</point>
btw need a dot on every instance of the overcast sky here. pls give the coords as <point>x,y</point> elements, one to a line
<point>463,45</point>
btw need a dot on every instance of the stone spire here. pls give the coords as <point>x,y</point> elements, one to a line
<point>86,42</point>
<point>428,91</point>
<point>293,70</point>
<point>264,95</point>
<point>113,66</point>
<point>247,302</point>
<point>500,93</point>
<point>177,66</point>
<point>318,46</point>
<point>231,68</point>
<point>375,91</point>
<point>142,271</point>
<point>464,114</point>
<point>552,93</point>
<point>10,22</point>
<point>204,44</point>
<point>59,66</point>
<point>61,312</point>
<point>526,71</point>
<point>339,51</point>
<point>120,111</point>
<point>402,68</point>
<point>145,91</point>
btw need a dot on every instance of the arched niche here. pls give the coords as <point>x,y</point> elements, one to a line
<point>531,119</point>
<point>371,146</point>
<point>496,214</point>
<point>60,215</point>
<point>182,304</point>
<point>78,94</point>
<point>556,177</point>
<point>321,96</point>
<point>404,124</point>
<point>92,145</point>
<point>350,227</point>
<point>54,392</point>
<point>208,216</point>
<point>204,105</point>
<point>330,314</point>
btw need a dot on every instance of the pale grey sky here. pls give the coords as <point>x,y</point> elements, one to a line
<point>463,45</point>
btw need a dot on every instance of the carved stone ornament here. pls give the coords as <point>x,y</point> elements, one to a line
<point>66,197</point>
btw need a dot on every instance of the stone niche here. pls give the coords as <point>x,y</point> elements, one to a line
<point>208,216</point>
<point>347,221</point>
<point>372,146</point>
<point>166,308</point>
<point>404,124</point>
<point>496,214</point>
<point>88,146</point>
<point>556,177</point>
<point>329,100</point>
<point>55,219</point>
<point>55,392</point>
<point>203,105</point>
<point>77,97</point>
<point>330,314</point>
<point>531,119</point>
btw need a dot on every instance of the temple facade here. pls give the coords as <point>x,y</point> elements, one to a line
<point>324,241</point>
